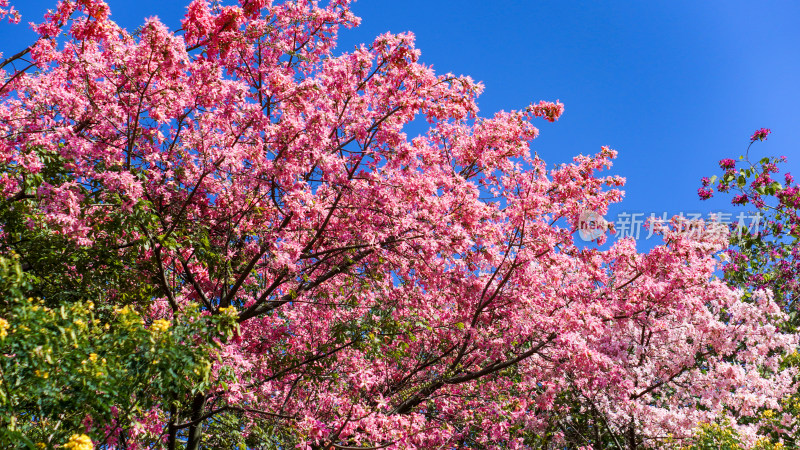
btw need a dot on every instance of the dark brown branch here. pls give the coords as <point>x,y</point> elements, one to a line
<point>214,412</point>
<point>497,366</point>
<point>261,306</point>
<point>246,272</point>
<point>194,283</point>
<point>309,361</point>
<point>15,57</point>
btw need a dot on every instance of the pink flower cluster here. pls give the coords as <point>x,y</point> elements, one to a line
<point>760,134</point>
<point>6,10</point>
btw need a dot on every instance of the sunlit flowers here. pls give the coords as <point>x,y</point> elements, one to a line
<point>79,442</point>
<point>160,326</point>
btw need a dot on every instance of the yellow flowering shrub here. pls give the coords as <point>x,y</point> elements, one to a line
<point>722,436</point>
<point>84,360</point>
<point>79,442</point>
<point>160,326</point>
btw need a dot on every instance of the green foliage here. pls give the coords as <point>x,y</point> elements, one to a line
<point>715,436</point>
<point>80,349</point>
<point>62,366</point>
<point>59,270</point>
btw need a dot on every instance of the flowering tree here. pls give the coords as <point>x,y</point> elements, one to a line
<point>767,257</point>
<point>390,292</point>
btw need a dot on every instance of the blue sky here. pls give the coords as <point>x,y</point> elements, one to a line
<point>673,86</point>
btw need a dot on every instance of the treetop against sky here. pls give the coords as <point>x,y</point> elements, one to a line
<point>673,87</point>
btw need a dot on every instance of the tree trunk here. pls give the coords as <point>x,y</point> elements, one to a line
<point>196,430</point>
<point>171,431</point>
<point>631,436</point>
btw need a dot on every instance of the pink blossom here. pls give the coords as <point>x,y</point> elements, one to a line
<point>760,134</point>
<point>705,193</point>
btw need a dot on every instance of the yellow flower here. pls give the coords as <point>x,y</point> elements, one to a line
<point>229,311</point>
<point>41,445</point>
<point>160,326</point>
<point>3,328</point>
<point>93,357</point>
<point>79,442</point>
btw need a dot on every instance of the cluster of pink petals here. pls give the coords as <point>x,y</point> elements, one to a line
<point>392,290</point>
<point>7,10</point>
<point>760,134</point>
